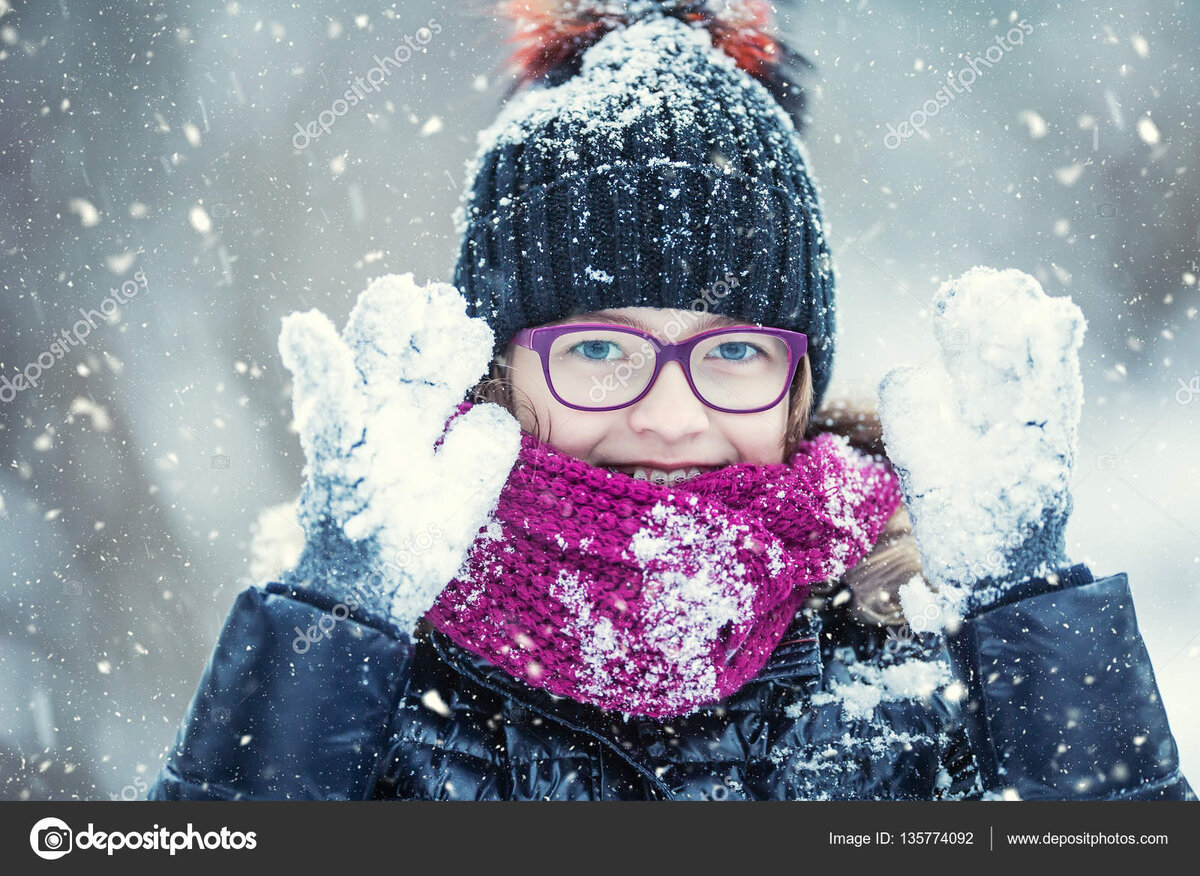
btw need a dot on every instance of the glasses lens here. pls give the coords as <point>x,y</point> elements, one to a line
<point>740,371</point>
<point>600,368</point>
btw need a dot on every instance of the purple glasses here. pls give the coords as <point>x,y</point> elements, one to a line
<point>602,367</point>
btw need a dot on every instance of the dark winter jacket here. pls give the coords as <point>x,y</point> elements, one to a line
<point>1052,696</point>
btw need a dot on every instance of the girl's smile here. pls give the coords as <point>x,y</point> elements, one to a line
<point>662,473</point>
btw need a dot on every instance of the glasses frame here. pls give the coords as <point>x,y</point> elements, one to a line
<point>542,338</point>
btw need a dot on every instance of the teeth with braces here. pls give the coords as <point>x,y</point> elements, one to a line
<point>666,478</point>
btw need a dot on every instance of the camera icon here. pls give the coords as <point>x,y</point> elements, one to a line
<point>1106,463</point>
<point>71,587</point>
<point>1106,210</point>
<point>1106,715</point>
<point>958,337</point>
<point>50,838</point>
<point>54,839</point>
<point>219,211</point>
<point>220,462</point>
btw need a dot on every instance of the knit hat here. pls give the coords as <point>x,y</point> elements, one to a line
<point>649,154</point>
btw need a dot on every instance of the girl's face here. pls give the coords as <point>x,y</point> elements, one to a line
<point>667,434</point>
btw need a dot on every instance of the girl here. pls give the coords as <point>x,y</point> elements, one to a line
<point>640,560</point>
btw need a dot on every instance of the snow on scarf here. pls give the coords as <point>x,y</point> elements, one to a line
<point>654,600</point>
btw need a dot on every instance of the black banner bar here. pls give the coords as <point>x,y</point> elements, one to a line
<point>63,837</point>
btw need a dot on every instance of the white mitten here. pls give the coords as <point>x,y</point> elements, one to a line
<point>983,439</point>
<point>370,404</point>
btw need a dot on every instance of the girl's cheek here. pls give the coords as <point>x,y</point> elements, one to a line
<point>576,434</point>
<point>759,439</point>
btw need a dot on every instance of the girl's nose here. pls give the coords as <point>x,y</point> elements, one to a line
<point>670,410</point>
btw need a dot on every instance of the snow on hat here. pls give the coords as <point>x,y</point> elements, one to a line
<point>648,152</point>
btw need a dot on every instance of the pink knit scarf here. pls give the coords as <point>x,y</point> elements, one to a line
<point>654,600</point>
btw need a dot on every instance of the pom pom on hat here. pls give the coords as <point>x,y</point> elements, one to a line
<point>556,33</point>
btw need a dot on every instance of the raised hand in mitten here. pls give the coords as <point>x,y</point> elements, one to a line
<point>984,437</point>
<point>370,404</point>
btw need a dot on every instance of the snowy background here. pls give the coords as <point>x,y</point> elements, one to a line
<point>159,137</point>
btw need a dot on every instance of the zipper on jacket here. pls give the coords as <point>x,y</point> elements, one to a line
<point>796,660</point>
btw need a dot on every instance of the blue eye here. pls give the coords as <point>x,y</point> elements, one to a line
<point>736,351</point>
<point>594,350</point>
